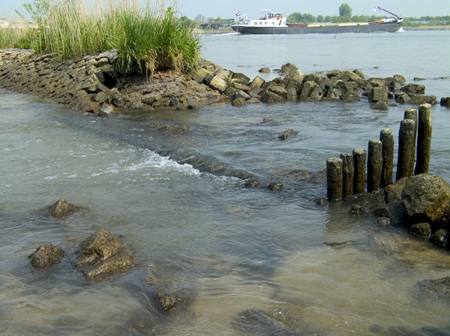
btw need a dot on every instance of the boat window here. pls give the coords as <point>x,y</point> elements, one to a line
<point>266,23</point>
<point>256,23</point>
<point>260,23</point>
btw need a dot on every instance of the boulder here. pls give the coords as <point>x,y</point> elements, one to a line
<point>285,135</point>
<point>338,73</point>
<point>264,70</point>
<point>278,90</point>
<point>393,192</point>
<point>257,83</point>
<point>376,82</point>
<point>440,238</point>
<point>238,102</point>
<point>445,101</point>
<point>422,230</point>
<point>106,110</point>
<point>427,195</point>
<point>412,88</point>
<point>101,254</point>
<point>270,97</point>
<point>218,84</point>
<point>61,208</point>
<point>436,289</point>
<point>240,78</point>
<point>307,89</point>
<point>241,86</point>
<point>46,256</point>
<point>423,99</point>
<point>402,98</point>
<point>353,77</point>
<point>276,186</point>
<point>379,93</point>
<point>380,105</point>
<point>296,75</point>
<point>275,322</point>
<point>287,68</point>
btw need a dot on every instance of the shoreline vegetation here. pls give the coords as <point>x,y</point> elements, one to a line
<point>148,37</point>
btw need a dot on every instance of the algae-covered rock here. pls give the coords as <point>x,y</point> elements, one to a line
<point>61,209</point>
<point>428,195</point>
<point>102,254</point>
<point>46,256</point>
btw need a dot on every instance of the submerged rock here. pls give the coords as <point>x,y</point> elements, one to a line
<point>46,256</point>
<point>61,209</point>
<point>101,254</point>
<point>436,289</point>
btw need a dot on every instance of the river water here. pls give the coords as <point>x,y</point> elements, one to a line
<point>234,252</point>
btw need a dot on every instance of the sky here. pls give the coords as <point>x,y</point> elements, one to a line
<point>253,8</point>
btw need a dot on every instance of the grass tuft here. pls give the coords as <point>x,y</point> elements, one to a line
<point>147,37</point>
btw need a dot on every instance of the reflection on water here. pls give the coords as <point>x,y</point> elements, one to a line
<point>243,260</point>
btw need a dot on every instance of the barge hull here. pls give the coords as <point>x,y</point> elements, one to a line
<point>362,27</point>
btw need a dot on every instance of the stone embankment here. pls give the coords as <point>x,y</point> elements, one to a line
<point>93,84</point>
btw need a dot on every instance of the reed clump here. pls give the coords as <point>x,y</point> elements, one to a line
<point>147,36</point>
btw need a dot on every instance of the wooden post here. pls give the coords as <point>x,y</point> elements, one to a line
<point>412,114</point>
<point>359,158</point>
<point>348,174</point>
<point>374,165</point>
<point>387,138</point>
<point>424,139</point>
<point>406,149</point>
<point>334,178</point>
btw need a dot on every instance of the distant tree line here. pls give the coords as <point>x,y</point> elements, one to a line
<point>345,15</point>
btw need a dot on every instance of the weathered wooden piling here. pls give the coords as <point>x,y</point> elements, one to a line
<point>348,174</point>
<point>334,178</point>
<point>406,149</point>
<point>387,138</point>
<point>424,139</point>
<point>374,165</point>
<point>359,180</point>
<point>413,115</point>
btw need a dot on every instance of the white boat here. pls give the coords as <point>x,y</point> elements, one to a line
<point>275,23</point>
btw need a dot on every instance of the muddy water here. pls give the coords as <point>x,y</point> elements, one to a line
<point>236,254</point>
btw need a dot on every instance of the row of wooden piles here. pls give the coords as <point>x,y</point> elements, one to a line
<point>347,175</point>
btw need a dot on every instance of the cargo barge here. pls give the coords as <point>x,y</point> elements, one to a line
<point>275,23</point>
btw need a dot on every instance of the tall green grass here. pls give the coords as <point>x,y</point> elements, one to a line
<point>148,37</point>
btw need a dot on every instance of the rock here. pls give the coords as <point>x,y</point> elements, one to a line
<point>384,221</point>
<point>199,75</point>
<point>46,256</point>
<point>257,83</point>
<point>61,209</point>
<point>296,75</point>
<point>380,105</point>
<point>422,99</point>
<point>252,183</point>
<point>359,73</point>
<point>270,97</point>
<point>286,134</point>
<point>218,84</point>
<point>307,89</point>
<point>256,322</point>
<point>402,98</point>
<point>411,89</point>
<point>117,263</point>
<point>173,129</point>
<point>399,78</point>
<point>287,68</point>
<point>101,254</point>
<point>397,213</point>
<point>241,87</point>
<point>427,195</point>
<point>239,102</point>
<point>422,230</point>
<point>445,101</point>
<point>264,70</point>
<point>393,192</point>
<point>106,110</point>
<point>276,186</point>
<point>436,289</point>
<point>351,76</point>
<point>101,97</point>
<point>173,102</point>
<point>291,95</point>
<point>241,78</point>
<point>379,93</point>
<point>240,94</point>
<point>279,91</point>
<point>440,238</point>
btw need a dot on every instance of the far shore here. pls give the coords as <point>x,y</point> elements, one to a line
<point>227,31</point>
